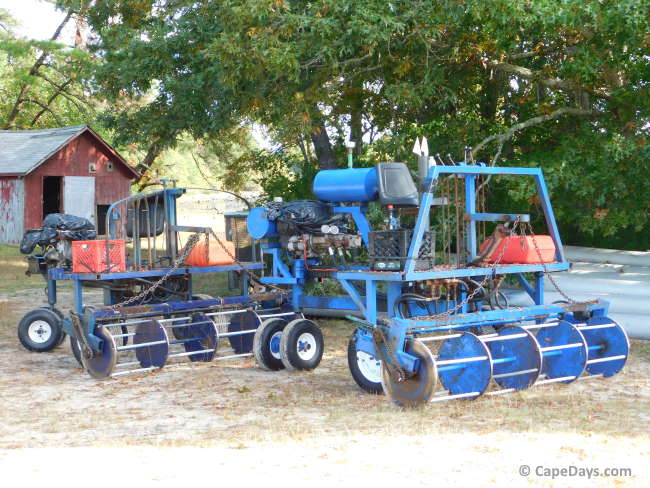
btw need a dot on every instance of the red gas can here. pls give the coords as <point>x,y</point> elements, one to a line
<point>521,250</point>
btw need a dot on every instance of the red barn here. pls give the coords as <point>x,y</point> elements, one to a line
<point>69,170</point>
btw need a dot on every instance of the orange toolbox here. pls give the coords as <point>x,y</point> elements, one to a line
<point>90,256</point>
<point>521,250</point>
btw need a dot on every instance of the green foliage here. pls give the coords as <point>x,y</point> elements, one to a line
<point>560,85</point>
<point>42,83</point>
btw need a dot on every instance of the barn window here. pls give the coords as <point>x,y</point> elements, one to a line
<point>92,167</point>
<point>109,166</point>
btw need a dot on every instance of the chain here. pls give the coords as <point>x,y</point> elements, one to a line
<point>481,285</point>
<point>547,273</point>
<point>191,242</point>
<point>250,275</point>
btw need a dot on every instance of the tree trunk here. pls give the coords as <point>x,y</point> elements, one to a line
<point>323,148</point>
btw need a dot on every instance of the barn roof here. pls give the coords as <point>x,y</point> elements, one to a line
<point>22,151</point>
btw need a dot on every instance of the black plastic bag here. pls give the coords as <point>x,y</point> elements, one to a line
<point>60,221</point>
<point>304,216</point>
<point>37,237</point>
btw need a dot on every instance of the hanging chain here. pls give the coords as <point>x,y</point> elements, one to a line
<point>191,242</point>
<point>251,276</point>
<point>481,286</point>
<point>547,273</point>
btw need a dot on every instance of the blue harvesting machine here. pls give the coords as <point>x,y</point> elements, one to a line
<point>422,287</point>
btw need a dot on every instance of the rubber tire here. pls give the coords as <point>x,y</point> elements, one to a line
<point>76,350</point>
<point>374,388</point>
<point>289,345</point>
<point>60,315</point>
<point>47,316</point>
<point>261,343</point>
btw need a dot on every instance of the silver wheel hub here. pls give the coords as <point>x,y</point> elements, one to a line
<point>39,331</point>
<point>306,346</point>
<point>369,366</point>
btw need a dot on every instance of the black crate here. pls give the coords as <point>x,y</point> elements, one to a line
<point>388,250</point>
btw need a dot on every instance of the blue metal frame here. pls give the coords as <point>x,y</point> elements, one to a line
<point>400,328</point>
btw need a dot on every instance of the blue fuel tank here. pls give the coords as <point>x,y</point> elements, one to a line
<point>346,185</point>
<point>260,227</point>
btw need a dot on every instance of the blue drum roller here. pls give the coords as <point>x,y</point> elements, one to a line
<point>564,349</point>
<point>464,365</point>
<point>608,346</point>
<point>516,357</point>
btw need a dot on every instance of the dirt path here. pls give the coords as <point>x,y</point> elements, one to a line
<point>313,427</point>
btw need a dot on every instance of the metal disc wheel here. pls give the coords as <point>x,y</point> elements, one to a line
<point>266,344</point>
<point>418,389</point>
<point>101,365</point>
<point>365,368</point>
<point>76,349</point>
<point>243,343</point>
<point>40,330</point>
<point>301,345</point>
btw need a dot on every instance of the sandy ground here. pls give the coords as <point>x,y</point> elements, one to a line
<point>212,423</point>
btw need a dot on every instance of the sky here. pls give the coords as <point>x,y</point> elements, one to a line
<point>38,18</point>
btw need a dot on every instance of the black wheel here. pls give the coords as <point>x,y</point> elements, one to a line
<point>76,350</point>
<point>40,330</point>
<point>301,346</point>
<point>266,344</point>
<point>60,315</point>
<point>365,368</point>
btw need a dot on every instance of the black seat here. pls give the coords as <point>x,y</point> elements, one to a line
<point>396,186</point>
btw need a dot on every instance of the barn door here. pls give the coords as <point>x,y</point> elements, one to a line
<point>79,196</point>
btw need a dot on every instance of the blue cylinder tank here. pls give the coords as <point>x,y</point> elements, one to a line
<point>259,226</point>
<point>346,185</point>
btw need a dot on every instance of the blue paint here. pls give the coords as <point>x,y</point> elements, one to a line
<point>515,355</point>
<point>259,226</point>
<point>563,362</point>
<point>613,341</point>
<point>346,185</point>
<point>466,377</point>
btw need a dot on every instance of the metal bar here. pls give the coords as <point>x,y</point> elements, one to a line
<point>139,370</point>
<point>117,336</point>
<point>514,373</point>
<point>276,315</point>
<point>439,338</point>
<point>124,324</point>
<point>565,346</point>
<point>124,365</point>
<point>241,332</point>
<point>590,377</point>
<point>553,380</point>
<point>138,346</point>
<point>539,326</point>
<point>228,312</point>
<point>248,354</point>
<point>503,338</point>
<point>461,360</point>
<point>604,360</point>
<point>453,397</point>
<point>192,353</point>
<point>500,392</point>
<point>593,327</point>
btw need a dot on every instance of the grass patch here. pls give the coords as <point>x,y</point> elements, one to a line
<point>12,270</point>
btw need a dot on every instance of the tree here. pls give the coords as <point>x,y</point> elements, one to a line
<point>557,84</point>
<point>42,82</point>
